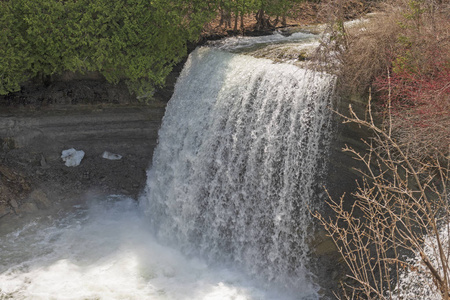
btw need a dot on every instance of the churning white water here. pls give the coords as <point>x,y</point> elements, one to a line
<point>225,214</point>
<point>248,43</point>
<point>104,250</point>
<point>239,161</point>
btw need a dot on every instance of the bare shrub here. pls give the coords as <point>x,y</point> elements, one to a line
<point>421,135</point>
<point>366,56</point>
<point>416,86</point>
<point>371,47</point>
<point>402,53</point>
<point>401,202</point>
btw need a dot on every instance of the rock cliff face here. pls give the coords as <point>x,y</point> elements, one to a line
<point>341,179</point>
<point>32,143</point>
<point>342,174</point>
<point>87,114</point>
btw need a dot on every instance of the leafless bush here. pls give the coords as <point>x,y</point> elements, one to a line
<point>419,137</point>
<point>360,52</point>
<point>402,54</point>
<point>400,202</point>
<point>416,86</point>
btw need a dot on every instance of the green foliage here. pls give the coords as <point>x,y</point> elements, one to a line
<point>414,12</point>
<point>278,7</point>
<point>11,59</point>
<point>415,9</point>
<point>404,63</point>
<point>134,40</point>
<point>138,41</point>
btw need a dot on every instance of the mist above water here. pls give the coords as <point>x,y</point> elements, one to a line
<point>104,250</point>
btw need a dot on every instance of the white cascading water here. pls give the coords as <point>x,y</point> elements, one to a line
<point>240,155</point>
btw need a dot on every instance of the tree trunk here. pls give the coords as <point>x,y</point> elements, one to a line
<point>221,18</point>
<point>275,22</point>
<point>261,21</point>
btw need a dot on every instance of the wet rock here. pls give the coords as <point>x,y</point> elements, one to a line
<point>328,263</point>
<point>130,131</point>
<point>44,163</point>
<point>325,247</point>
<point>7,143</point>
<point>4,210</point>
<point>27,208</point>
<point>7,173</point>
<point>40,199</point>
<point>13,203</point>
<point>125,192</point>
<point>322,244</point>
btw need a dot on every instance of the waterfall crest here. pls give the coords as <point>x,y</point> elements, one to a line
<point>238,163</point>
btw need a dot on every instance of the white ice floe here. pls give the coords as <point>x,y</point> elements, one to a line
<point>111,156</point>
<point>72,157</point>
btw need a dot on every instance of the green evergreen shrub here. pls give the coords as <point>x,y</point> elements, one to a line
<point>134,40</point>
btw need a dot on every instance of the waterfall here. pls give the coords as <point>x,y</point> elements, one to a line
<point>239,161</point>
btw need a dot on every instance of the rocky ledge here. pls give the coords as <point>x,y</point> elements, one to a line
<point>32,173</point>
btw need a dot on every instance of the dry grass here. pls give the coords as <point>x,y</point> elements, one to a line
<point>367,53</point>
<point>419,87</point>
<point>402,54</point>
<point>421,138</point>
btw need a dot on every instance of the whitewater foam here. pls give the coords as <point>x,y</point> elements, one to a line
<point>104,250</point>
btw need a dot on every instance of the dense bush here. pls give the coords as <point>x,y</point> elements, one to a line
<point>135,40</point>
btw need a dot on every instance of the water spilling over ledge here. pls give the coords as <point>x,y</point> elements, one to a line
<point>240,161</point>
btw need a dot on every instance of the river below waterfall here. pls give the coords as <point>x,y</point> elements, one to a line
<point>102,249</point>
<point>239,164</point>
